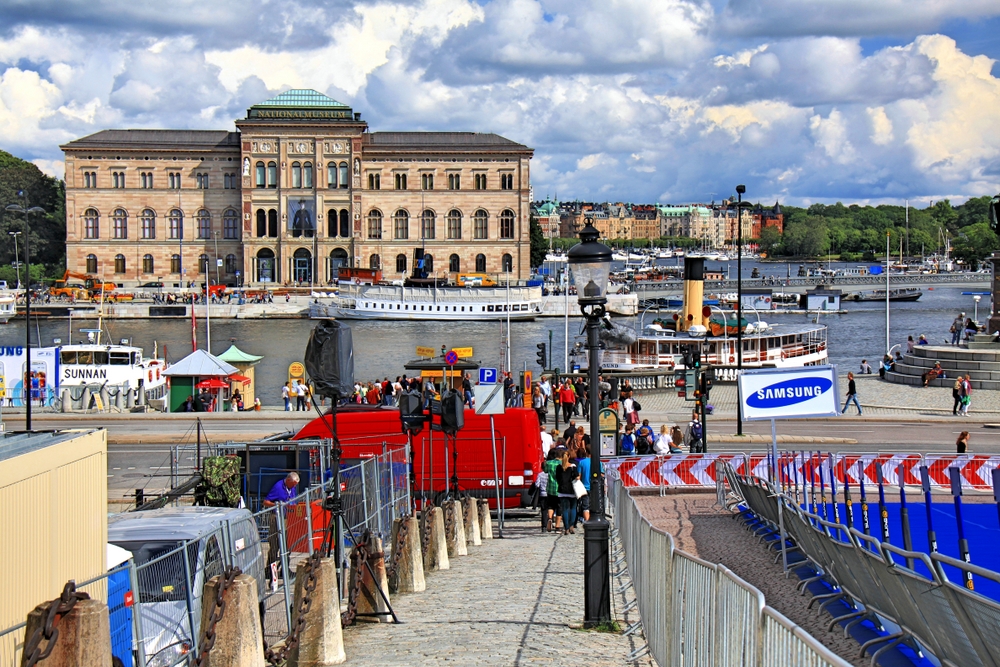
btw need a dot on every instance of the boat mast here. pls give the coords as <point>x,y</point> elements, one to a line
<point>887,292</point>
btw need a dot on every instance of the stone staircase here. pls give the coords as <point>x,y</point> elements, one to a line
<point>982,363</point>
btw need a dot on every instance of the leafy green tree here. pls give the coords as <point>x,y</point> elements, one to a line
<point>807,237</point>
<point>539,245</point>
<point>974,243</point>
<point>972,211</point>
<point>47,232</point>
<point>770,240</point>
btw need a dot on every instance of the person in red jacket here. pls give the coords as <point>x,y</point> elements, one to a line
<point>568,399</point>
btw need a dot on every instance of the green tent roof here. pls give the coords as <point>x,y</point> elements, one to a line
<point>302,98</point>
<point>235,355</point>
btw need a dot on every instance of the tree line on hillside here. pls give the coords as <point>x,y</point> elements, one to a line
<point>46,232</point>
<point>852,232</point>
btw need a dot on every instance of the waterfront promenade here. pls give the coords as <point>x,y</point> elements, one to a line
<point>516,601</point>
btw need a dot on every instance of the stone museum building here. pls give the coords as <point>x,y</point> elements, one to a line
<point>300,189</point>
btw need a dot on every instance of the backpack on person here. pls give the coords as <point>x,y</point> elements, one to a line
<point>627,445</point>
<point>696,431</point>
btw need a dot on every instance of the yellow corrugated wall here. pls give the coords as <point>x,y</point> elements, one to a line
<point>53,522</point>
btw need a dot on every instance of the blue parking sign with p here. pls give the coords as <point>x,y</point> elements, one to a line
<point>487,376</point>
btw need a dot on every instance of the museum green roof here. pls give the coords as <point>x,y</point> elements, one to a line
<point>302,98</point>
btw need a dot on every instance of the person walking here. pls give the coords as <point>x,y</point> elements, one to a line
<point>583,464</point>
<point>551,509</point>
<point>286,396</point>
<point>627,444</point>
<point>566,473</point>
<point>956,395</point>
<point>695,435</point>
<point>644,438</point>
<point>852,394</point>
<point>966,396</point>
<point>568,399</point>
<point>467,391</point>
<point>538,404</point>
<point>664,443</point>
<point>957,327</point>
<point>300,397</point>
<point>962,443</point>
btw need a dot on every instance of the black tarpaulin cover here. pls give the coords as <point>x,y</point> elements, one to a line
<point>330,359</point>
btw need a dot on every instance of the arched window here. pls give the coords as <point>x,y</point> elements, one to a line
<point>260,175</point>
<point>331,223</point>
<point>428,263</point>
<point>507,224</point>
<point>428,221</point>
<point>480,263</point>
<point>272,223</point>
<point>175,221</point>
<point>202,263</point>
<point>272,175</point>
<point>296,175</point>
<point>400,263</point>
<point>265,265</point>
<point>175,263</point>
<point>204,224</point>
<point>338,258</point>
<point>230,224</point>
<point>507,263</point>
<point>230,265</point>
<point>375,224</point>
<point>401,224</point>
<point>343,175</point>
<point>454,224</point>
<point>261,223</point>
<point>147,263</point>
<point>374,262</point>
<point>119,223</point>
<point>91,263</point>
<point>345,223</point>
<point>454,264</point>
<point>91,224</point>
<point>148,221</point>
<point>119,263</point>
<point>307,175</point>
<point>331,174</point>
<point>480,224</point>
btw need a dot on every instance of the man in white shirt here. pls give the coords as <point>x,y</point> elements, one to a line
<point>546,390</point>
<point>546,442</point>
<point>286,397</point>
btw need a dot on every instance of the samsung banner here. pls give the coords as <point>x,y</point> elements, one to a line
<point>789,393</point>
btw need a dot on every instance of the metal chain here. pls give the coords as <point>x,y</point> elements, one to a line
<point>207,641</point>
<point>449,518</point>
<point>358,557</point>
<point>49,630</point>
<point>397,548</point>
<point>278,656</point>
<point>428,528</point>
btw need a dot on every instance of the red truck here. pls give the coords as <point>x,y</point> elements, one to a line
<point>363,430</point>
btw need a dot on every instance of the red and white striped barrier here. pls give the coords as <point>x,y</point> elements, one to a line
<point>676,470</point>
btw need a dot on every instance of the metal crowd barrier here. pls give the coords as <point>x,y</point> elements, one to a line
<point>696,614</point>
<point>879,581</point>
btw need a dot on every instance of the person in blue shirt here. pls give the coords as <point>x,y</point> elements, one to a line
<point>583,464</point>
<point>283,491</point>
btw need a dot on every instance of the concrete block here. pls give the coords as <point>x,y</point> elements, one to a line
<point>455,529</point>
<point>238,639</point>
<point>84,635</point>
<point>409,575</point>
<point>470,510</point>
<point>369,601</point>
<point>321,641</point>
<point>436,556</point>
<point>485,521</point>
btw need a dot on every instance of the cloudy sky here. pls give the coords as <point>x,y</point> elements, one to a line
<point>635,100</point>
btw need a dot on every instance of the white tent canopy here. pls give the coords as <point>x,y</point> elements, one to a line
<point>201,364</point>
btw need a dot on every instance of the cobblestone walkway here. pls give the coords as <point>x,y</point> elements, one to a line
<point>515,601</point>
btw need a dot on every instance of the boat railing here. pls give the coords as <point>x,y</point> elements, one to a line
<point>621,357</point>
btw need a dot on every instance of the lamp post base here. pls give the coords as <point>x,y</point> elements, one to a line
<point>596,573</point>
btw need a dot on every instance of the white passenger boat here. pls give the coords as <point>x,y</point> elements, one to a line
<point>396,302</point>
<point>122,365</point>
<point>7,306</point>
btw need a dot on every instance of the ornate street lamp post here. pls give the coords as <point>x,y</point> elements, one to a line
<point>16,208</point>
<point>590,262</point>
<point>740,189</point>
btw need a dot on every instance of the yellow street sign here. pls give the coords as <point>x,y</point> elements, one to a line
<point>425,352</point>
<point>463,352</point>
<point>296,371</point>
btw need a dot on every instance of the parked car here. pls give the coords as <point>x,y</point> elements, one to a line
<point>168,598</point>
<point>152,285</point>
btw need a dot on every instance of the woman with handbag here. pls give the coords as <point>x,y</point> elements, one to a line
<point>566,474</point>
<point>538,403</point>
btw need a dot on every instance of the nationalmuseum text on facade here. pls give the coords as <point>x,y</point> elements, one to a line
<point>300,189</point>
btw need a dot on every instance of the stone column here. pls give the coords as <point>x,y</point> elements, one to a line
<point>84,635</point>
<point>238,640</point>
<point>321,641</point>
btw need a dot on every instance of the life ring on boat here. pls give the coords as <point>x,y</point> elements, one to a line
<point>783,354</point>
<point>731,358</point>
<point>157,374</point>
<point>767,299</point>
<point>151,376</point>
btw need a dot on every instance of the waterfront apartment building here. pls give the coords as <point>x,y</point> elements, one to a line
<point>301,188</point>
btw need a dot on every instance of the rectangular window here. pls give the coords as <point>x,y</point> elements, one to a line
<point>230,228</point>
<point>331,175</point>
<point>426,181</point>
<point>454,181</point>
<point>119,227</point>
<point>148,227</point>
<point>480,181</point>
<point>506,181</point>
<point>202,180</point>
<point>374,181</point>
<point>174,180</point>
<point>401,227</point>
<point>400,181</point>
<point>454,226</point>
<point>427,227</point>
<point>176,227</point>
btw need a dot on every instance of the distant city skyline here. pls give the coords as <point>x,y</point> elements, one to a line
<point>632,101</point>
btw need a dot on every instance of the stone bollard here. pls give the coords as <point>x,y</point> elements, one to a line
<point>321,641</point>
<point>470,509</point>
<point>436,555</point>
<point>65,401</point>
<point>129,399</point>
<point>409,575</point>
<point>85,399</point>
<point>485,521</point>
<point>369,601</point>
<point>84,635</point>
<point>455,529</point>
<point>238,639</point>
<point>105,397</point>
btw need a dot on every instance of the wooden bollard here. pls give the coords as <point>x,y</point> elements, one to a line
<point>321,641</point>
<point>470,511</point>
<point>84,635</point>
<point>455,530</point>
<point>369,601</point>
<point>409,574</point>
<point>485,521</point>
<point>238,639</point>
<point>436,555</point>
